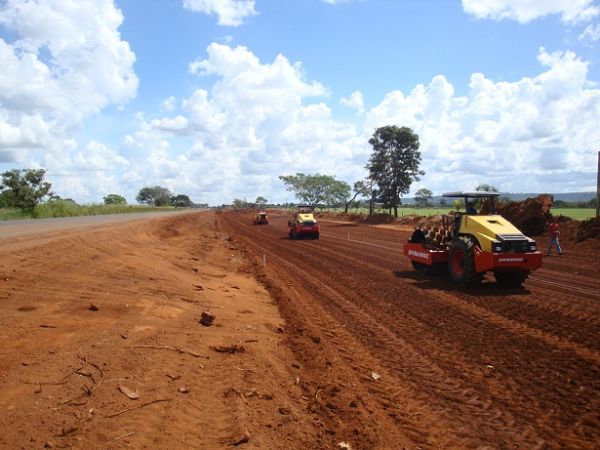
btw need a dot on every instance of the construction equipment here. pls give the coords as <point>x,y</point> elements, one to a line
<point>261,218</point>
<point>303,224</point>
<point>467,245</point>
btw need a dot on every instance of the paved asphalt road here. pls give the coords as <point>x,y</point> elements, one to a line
<point>28,227</point>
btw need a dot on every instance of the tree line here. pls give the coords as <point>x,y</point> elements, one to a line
<point>24,189</point>
<point>392,167</point>
<point>576,204</point>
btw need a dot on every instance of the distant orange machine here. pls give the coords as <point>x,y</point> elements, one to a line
<point>261,218</point>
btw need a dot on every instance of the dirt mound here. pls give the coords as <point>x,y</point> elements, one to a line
<point>379,218</point>
<point>588,229</point>
<point>360,218</point>
<point>531,216</point>
<point>337,216</point>
<point>568,228</point>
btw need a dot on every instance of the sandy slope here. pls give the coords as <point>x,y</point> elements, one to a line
<point>61,364</point>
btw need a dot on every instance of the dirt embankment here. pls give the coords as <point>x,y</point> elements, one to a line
<point>101,345</point>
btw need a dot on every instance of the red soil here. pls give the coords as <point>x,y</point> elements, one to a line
<point>355,349</point>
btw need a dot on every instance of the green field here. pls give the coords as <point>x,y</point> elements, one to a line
<point>573,213</point>
<point>70,209</point>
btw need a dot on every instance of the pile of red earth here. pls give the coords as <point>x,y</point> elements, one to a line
<point>362,218</point>
<point>568,228</point>
<point>379,218</point>
<point>531,216</point>
<point>588,229</point>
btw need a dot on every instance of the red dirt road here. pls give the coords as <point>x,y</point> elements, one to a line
<point>338,342</point>
<point>482,367</point>
<point>66,371</point>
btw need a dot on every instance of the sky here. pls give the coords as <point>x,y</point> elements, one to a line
<point>216,99</point>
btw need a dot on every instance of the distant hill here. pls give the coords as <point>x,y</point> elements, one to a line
<point>519,196</point>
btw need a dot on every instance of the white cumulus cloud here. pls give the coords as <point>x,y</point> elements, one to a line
<point>66,62</point>
<point>230,12</point>
<point>534,134</point>
<point>259,120</point>
<point>169,104</point>
<point>62,61</point>
<point>590,35</point>
<point>255,120</point>
<point>355,101</point>
<point>98,157</point>
<point>175,125</point>
<point>523,11</point>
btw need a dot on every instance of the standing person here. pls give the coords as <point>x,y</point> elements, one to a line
<point>554,232</point>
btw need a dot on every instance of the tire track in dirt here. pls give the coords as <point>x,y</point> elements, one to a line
<point>150,282</point>
<point>308,313</point>
<point>502,313</point>
<point>537,314</point>
<point>566,395</point>
<point>456,310</point>
<point>467,315</point>
<point>432,382</point>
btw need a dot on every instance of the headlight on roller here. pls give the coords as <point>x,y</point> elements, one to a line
<point>497,247</point>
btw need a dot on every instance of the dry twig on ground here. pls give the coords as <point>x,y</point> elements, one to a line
<point>168,347</point>
<point>139,406</point>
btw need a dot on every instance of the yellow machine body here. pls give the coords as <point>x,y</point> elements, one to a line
<point>486,228</point>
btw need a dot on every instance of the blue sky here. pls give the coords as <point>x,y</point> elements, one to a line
<point>217,98</point>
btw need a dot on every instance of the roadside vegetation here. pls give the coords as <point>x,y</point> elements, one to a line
<point>62,208</point>
<point>24,194</point>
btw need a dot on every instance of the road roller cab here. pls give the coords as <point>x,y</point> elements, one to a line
<point>304,224</point>
<point>261,218</point>
<point>469,244</point>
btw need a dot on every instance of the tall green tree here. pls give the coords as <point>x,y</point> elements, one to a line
<point>482,187</point>
<point>23,189</point>
<point>316,189</point>
<point>336,192</point>
<point>361,188</point>
<point>423,197</point>
<point>240,203</point>
<point>155,196</point>
<point>114,199</point>
<point>394,163</point>
<point>181,201</point>
<point>260,201</point>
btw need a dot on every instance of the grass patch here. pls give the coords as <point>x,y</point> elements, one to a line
<point>13,214</point>
<point>71,209</point>
<point>573,213</point>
